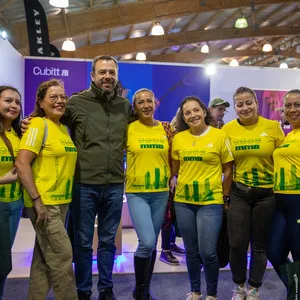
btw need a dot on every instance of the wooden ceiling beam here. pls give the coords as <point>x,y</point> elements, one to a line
<point>6,4</point>
<point>120,15</point>
<point>190,23</point>
<point>211,19</point>
<point>148,43</point>
<point>233,16</point>
<point>197,57</point>
<point>272,14</point>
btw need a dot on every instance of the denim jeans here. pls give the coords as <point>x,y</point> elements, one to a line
<point>147,211</point>
<point>14,210</point>
<point>104,200</point>
<point>200,227</point>
<point>284,233</point>
<point>249,218</point>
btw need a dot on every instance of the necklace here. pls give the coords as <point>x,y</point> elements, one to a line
<point>196,139</point>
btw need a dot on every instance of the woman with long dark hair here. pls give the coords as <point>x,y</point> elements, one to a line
<point>201,153</point>
<point>11,200</point>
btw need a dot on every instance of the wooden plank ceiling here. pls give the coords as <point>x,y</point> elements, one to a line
<point>122,28</point>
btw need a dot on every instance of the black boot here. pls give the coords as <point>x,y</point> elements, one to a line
<point>141,270</point>
<point>152,263</point>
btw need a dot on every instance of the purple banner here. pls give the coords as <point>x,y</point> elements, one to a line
<point>170,84</point>
<point>72,73</point>
<point>270,107</point>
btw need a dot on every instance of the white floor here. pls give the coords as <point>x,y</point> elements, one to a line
<point>22,253</point>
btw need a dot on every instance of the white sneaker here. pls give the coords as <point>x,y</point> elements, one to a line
<point>252,295</point>
<point>193,296</point>
<point>239,293</point>
<point>211,298</point>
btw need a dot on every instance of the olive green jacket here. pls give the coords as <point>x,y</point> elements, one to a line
<point>98,128</point>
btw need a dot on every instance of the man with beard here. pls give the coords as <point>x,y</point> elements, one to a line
<point>97,118</point>
<point>217,108</point>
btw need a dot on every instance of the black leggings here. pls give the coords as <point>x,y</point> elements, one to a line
<point>249,217</point>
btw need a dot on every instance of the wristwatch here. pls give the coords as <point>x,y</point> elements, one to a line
<point>226,199</point>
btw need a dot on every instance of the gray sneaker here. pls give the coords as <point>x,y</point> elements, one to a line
<point>193,296</point>
<point>239,293</point>
<point>252,295</point>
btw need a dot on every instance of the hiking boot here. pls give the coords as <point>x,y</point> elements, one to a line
<point>168,258</point>
<point>239,293</point>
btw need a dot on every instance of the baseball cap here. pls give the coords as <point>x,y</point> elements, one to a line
<point>218,101</point>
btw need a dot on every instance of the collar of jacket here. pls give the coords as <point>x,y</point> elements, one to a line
<point>101,95</point>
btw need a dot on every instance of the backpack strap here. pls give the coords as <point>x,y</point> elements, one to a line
<point>45,133</point>
<point>169,133</point>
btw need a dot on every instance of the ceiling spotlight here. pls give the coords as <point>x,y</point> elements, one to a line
<point>3,34</point>
<point>234,63</point>
<point>68,45</point>
<point>267,47</point>
<point>283,66</point>
<point>210,70</point>
<point>59,3</point>
<point>127,56</point>
<point>241,22</point>
<point>140,56</point>
<point>204,49</point>
<point>157,29</point>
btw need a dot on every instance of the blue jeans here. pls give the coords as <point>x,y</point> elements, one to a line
<point>200,227</point>
<point>14,210</point>
<point>284,233</point>
<point>106,200</point>
<point>147,211</point>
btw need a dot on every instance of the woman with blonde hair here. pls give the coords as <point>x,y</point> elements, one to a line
<point>147,185</point>
<point>11,201</point>
<point>45,166</point>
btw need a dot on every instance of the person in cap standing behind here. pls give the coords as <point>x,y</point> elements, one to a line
<point>217,108</point>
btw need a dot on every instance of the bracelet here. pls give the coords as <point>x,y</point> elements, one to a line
<point>34,199</point>
<point>226,199</point>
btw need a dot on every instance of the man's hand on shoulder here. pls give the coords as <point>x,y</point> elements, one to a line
<point>25,124</point>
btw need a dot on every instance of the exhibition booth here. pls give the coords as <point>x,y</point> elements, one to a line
<point>170,83</point>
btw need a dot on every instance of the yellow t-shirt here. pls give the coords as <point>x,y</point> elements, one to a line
<point>200,174</point>
<point>148,168</point>
<point>11,191</point>
<point>287,165</point>
<point>252,148</point>
<point>53,168</point>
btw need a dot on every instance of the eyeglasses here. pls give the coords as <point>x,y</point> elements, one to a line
<point>288,106</point>
<point>221,109</point>
<point>54,98</point>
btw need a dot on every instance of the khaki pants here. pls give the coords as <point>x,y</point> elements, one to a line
<point>51,264</point>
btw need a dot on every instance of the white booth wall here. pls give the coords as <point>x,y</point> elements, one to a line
<point>11,67</point>
<point>227,79</point>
